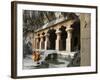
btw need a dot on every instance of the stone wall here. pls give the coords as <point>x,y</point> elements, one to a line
<point>85,37</point>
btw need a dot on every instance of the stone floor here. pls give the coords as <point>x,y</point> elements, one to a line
<point>51,59</point>
<point>28,63</point>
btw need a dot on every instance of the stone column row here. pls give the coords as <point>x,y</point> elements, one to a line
<point>68,40</point>
<point>39,42</point>
<point>58,33</point>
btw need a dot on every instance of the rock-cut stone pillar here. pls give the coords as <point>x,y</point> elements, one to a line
<point>58,32</point>
<point>46,40</point>
<point>37,42</point>
<point>41,41</point>
<point>69,38</point>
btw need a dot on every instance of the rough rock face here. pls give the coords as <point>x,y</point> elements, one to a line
<point>36,19</point>
<point>27,48</point>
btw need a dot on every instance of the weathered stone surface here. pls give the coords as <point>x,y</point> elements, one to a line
<point>85,20</point>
